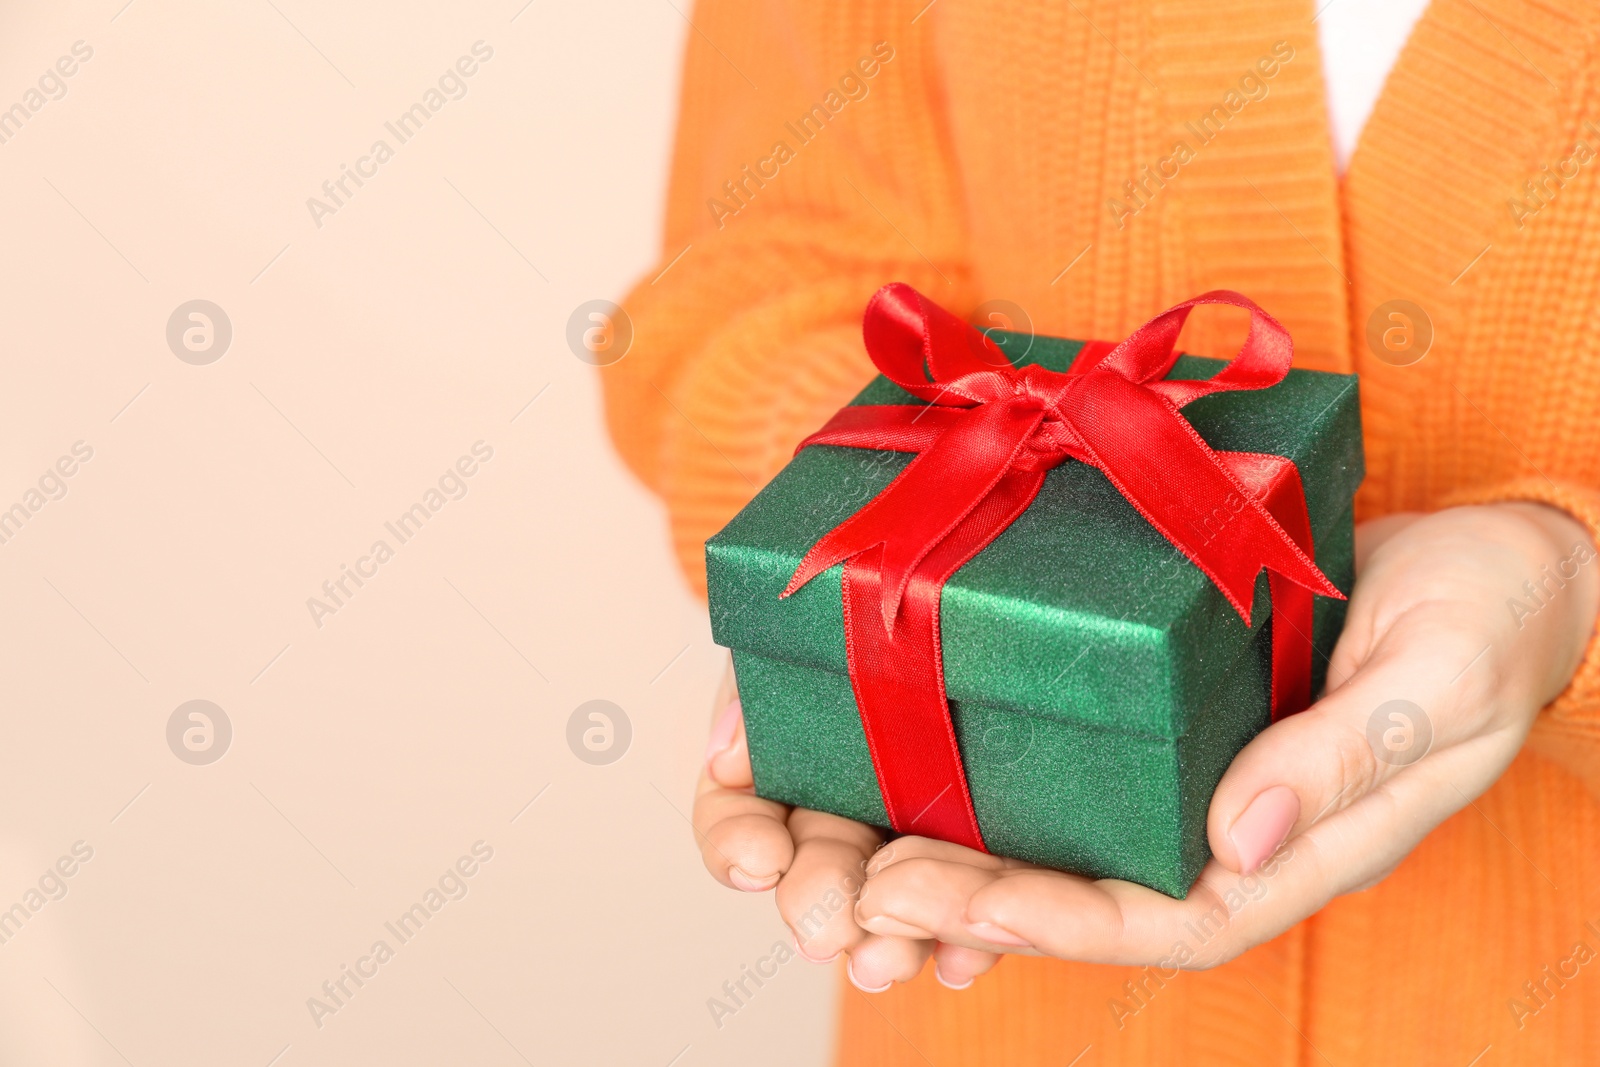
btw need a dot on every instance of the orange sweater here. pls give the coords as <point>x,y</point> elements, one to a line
<point>983,151</point>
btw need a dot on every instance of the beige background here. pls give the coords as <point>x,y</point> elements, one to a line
<point>368,354</point>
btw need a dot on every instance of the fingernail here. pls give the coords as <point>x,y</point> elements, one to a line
<point>1263,826</point>
<point>743,880</point>
<point>939,975</point>
<point>808,957</point>
<point>996,935</point>
<point>850,970</point>
<point>722,732</point>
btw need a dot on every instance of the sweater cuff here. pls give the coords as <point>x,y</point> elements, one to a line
<point>1579,704</point>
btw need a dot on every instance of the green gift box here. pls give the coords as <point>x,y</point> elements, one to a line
<point>1099,682</point>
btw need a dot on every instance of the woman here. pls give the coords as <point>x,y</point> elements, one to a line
<point>1083,166</point>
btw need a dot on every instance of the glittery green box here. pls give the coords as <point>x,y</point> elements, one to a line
<point>1099,683</point>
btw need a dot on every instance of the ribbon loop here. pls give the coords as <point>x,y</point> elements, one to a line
<point>1114,410</point>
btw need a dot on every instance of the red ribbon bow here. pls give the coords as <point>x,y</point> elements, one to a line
<point>984,439</point>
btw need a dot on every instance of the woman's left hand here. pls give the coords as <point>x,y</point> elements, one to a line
<point>1326,801</point>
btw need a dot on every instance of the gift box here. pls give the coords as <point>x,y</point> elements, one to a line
<point>1096,680</point>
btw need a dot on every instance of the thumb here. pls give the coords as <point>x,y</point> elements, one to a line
<point>1390,713</point>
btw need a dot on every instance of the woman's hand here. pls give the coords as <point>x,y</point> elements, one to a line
<point>816,861</point>
<point>1431,690</point>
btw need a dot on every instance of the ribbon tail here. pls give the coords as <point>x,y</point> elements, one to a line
<point>1188,494</point>
<point>1275,481</point>
<point>1292,615</point>
<point>898,675</point>
<point>926,501</point>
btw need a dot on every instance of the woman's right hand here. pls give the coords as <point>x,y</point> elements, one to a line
<point>817,862</point>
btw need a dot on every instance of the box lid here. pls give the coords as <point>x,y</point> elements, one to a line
<point>1080,610</point>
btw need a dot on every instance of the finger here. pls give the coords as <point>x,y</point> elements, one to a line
<point>817,895</point>
<point>956,966</point>
<point>1319,762</point>
<point>1032,911</point>
<point>744,839</point>
<point>728,688</point>
<point>727,752</point>
<point>876,963</point>
<point>909,848</point>
<point>1064,915</point>
<point>907,907</point>
<point>927,896</point>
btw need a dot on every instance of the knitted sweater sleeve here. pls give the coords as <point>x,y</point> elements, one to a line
<point>811,167</point>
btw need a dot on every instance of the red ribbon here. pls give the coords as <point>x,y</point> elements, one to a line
<point>984,439</point>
